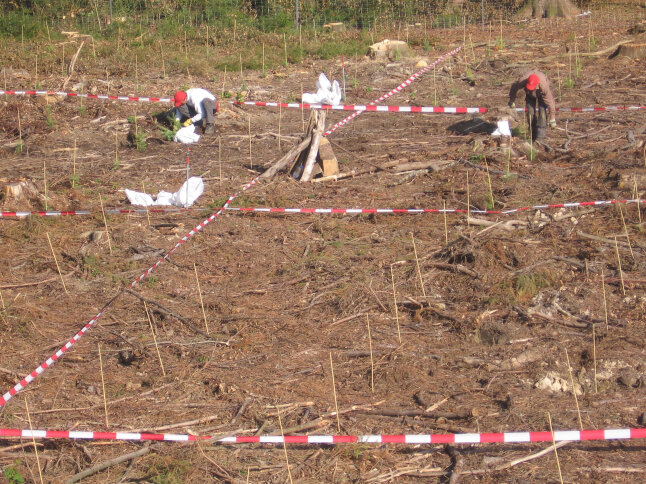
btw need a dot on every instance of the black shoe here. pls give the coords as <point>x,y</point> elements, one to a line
<point>210,129</point>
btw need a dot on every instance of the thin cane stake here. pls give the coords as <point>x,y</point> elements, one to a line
<point>372,362</point>
<point>605,303</point>
<point>224,76</point>
<point>74,164</point>
<point>594,357</point>
<point>220,160</point>
<point>419,272</point>
<point>280,424</point>
<point>489,181</point>
<point>280,120</point>
<point>33,439</point>
<point>143,188</point>
<point>556,454</point>
<point>576,400</point>
<point>116,148</point>
<point>623,221</point>
<point>250,159</point>
<point>621,273</point>
<point>44,181</point>
<point>105,401</point>
<point>639,210</point>
<point>446,229</point>
<point>336,404</point>
<point>105,223</point>
<point>56,261</point>
<point>152,331</point>
<point>206,324</point>
<point>468,203</point>
<point>303,114</point>
<point>392,280</point>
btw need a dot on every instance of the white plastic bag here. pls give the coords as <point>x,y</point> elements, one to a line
<point>190,191</point>
<point>186,135</point>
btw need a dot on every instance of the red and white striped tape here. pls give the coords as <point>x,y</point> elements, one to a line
<point>52,359</point>
<point>348,211</point>
<point>368,107</point>
<point>404,84</point>
<point>336,107</point>
<point>475,438</point>
<point>89,96</point>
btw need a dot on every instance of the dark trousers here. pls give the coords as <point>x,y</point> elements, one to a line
<point>185,111</point>
<point>537,118</point>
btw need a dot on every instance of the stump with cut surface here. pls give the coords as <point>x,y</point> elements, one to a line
<point>633,50</point>
<point>548,9</point>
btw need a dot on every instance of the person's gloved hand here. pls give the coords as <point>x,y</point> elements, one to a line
<point>188,122</point>
<point>512,104</point>
<point>552,123</point>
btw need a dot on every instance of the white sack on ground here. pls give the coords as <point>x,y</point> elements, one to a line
<point>502,129</point>
<point>326,92</point>
<point>184,197</point>
<point>186,135</point>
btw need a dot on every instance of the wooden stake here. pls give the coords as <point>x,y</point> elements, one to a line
<point>434,87</point>
<point>105,223</point>
<point>241,74</point>
<point>116,147</point>
<point>639,210</point>
<point>303,114</point>
<point>207,41</point>
<point>621,273</point>
<point>594,357</point>
<point>224,76</point>
<point>280,119</point>
<point>74,164</point>
<point>263,59</point>
<point>605,303</point>
<point>33,439</point>
<point>235,25</point>
<point>105,401</point>
<point>372,362</point>
<point>206,324</point>
<point>623,221</point>
<point>468,203</point>
<point>280,424</point>
<point>249,124</point>
<point>56,261</point>
<point>392,280</point>
<point>419,272</point>
<point>161,47</point>
<point>220,160</point>
<point>44,180</point>
<point>336,403</point>
<point>489,181</point>
<point>152,331</point>
<point>143,189</point>
<point>285,42</point>
<point>446,229</point>
<point>576,400</point>
<point>558,464</point>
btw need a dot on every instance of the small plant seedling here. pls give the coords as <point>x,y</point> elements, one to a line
<point>568,83</point>
<point>140,141</point>
<point>81,110</point>
<point>227,95</point>
<point>239,97</point>
<point>75,181</point>
<point>13,475</point>
<point>427,45</point>
<point>131,119</point>
<point>50,120</point>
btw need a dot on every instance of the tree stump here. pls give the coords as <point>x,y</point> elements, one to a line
<point>548,9</point>
<point>632,50</point>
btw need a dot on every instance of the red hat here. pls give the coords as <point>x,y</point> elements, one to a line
<point>180,97</point>
<point>532,82</point>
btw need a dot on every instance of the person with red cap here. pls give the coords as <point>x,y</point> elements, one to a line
<point>538,99</point>
<point>196,106</point>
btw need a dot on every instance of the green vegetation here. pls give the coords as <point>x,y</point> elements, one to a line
<point>526,286</point>
<point>13,475</point>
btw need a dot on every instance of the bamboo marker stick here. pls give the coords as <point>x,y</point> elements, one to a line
<point>116,147</point>
<point>249,124</point>
<point>623,221</point>
<point>446,229</point>
<point>434,86</point>
<point>33,439</point>
<point>45,182</point>
<point>556,454</point>
<point>280,424</point>
<point>152,331</point>
<point>280,120</point>
<point>489,182</point>
<point>576,400</point>
<point>105,223</point>
<point>392,280</point>
<point>621,273</point>
<point>636,196</point>
<point>336,403</point>
<point>161,48</point>
<point>372,361</point>
<point>207,41</point>
<point>143,189</point>
<point>263,59</point>
<point>56,261</point>
<point>605,303</point>
<point>419,272</point>
<point>241,74</point>
<point>285,42</point>
<point>224,76</point>
<point>303,114</point>
<point>199,290</point>
<point>235,25</point>
<point>74,164</point>
<point>220,160</point>
<point>594,357</point>
<point>468,203</point>
<point>105,401</point>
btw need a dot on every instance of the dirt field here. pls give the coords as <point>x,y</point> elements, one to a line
<point>499,309</point>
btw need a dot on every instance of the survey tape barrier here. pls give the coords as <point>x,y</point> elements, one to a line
<point>404,84</point>
<point>333,107</point>
<point>368,107</point>
<point>52,359</point>
<point>348,211</point>
<point>475,438</point>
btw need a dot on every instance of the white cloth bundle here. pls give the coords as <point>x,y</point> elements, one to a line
<point>326,92</point>
<point>186,135</point>
<point>184,197</point>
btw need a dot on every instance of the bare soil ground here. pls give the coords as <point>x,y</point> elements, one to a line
<point>497,311</point>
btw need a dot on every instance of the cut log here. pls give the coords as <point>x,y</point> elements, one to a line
<point>632,50</point>
<point>314,147</point>
<point>327,158</point>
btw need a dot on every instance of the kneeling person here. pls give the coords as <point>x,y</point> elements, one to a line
<point>538,99</point>
<point>196,106</point>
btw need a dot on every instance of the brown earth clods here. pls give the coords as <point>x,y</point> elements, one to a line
<point>487,318</point>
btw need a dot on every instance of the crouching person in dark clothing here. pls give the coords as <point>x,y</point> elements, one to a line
<point>196,106</point>
<point>538,100</point>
